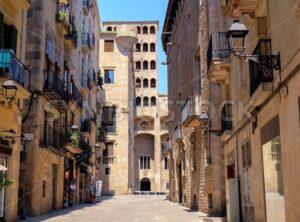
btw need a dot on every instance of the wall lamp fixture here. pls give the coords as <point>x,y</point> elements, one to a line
<point>236,40</point>
<point>205,123</point>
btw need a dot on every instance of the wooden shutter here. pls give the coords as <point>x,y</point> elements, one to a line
<point>262,27</point>
<point>110,148</point>
<point>108,45</point>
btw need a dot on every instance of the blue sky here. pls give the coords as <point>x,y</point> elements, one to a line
<point>139,10</point>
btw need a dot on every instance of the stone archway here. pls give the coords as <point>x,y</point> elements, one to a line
<point>145,184</point>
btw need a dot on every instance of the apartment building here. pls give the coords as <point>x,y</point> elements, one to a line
<point>146,167</point>
<point>14,89</point>
<point>61,119</point>
<point>196,162</point>
<point>249,105</point>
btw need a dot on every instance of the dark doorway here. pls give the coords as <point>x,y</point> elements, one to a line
<point>180,191</point>
<point>145,184</point>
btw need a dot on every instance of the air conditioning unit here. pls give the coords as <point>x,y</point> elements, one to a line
<point>232,200</point>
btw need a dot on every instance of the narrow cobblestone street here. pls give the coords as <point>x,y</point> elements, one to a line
<point>124,208</point>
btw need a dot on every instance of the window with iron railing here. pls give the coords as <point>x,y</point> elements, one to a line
<point>226,118</point>
<point>259,73</point>
<point>218,47</point>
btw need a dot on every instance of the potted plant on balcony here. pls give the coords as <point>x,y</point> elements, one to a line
<point>4,182</point>
<point>72,138</point>
<point>62,17</point>
<point>101,134</point>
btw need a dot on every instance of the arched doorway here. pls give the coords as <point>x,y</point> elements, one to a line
<point>145,184</point>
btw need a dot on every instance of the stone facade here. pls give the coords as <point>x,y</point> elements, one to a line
<point>140,133</point>
<point>62,53</point>
<point>12,53</point>
<point>253,108</point>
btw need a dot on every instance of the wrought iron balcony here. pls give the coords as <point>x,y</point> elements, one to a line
<point>218,52</point>
<point>110,129</point>
<point>259,73</point>
<point>12,67</point>
<point>71,37</point>
<point>108,160</point>
<point>85,42</point>
<point>226,121</point>
<point>56,91</point>
<point>86,7</point>
<point>92,41</point>
<point>178,133</point>
<point>63,16</point>
<point>84,156</point>
<point>190,112</point>
<point>52,139</point>
<point>75,95</point>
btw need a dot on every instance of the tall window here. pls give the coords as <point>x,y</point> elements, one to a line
<point>166,163</point>
<point>145,30</point>
<point>153,101</point>
<point>145,65</point>
<point>138,30</point>
<point>153,65</point>
<point>152,47</point>
<point>145,83</point>
<point>109,119</point>
<point>138,47</point>
<point>146,101</point>
<point>145,47</point>
<point>145,162</point>
<point>153,83</point>
<point>109,150</point>
<point>152,30</point>
<point>138,65</point>
<point>108,45</point>
<point>109,75</point>
<point>107,171</point>
<point>138,101</point>
<point>138,83</point>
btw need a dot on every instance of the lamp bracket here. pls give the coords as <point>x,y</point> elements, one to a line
<point>267,61</point>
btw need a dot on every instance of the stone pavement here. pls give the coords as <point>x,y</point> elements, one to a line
<point>134,208</point>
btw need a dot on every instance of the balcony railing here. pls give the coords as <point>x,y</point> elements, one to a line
<point>92,41</point>
<point>12,67</point>
<point>218,47</point>
<point>84,157</point>
<point>226,118</point>
<point>52,138</point>
<point>258,73</point>
<point>71,37</point>
<point>110,129</point>
<point>55,90</point>
<point>190,111</point>
<point>86,7</point>
<point>108,160</point>
<point>76,95</point>
<point>85,42</point>
<point>177,133</point>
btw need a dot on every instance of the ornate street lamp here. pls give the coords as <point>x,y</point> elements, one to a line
<point>9,89</point>
<point>74,128</point>
<point>236,40</point>
<point>205,123</point>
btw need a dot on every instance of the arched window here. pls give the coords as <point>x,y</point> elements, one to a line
<point>144,125</point>
<point>145,65</point>
<point>138,101</point>
<point>138,83</point>
<point>138,65</point>
<point>138,47</point>
<point>109,28</point>
<point>145,47</point>
<point>153,65</point>
<point>152,30</point>
<point>153,83</point>
<point>153,101</point>
<point>146,101</point>
<point>145,30</point>
<point>145,83</point>
<point>138,30</point>
<point>152,47</point>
